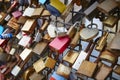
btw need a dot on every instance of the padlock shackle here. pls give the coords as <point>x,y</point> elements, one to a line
<point>91,48</point>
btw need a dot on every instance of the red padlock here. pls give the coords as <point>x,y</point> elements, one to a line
<point>59,44</point>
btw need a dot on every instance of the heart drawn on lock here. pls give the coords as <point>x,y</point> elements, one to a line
<point>88,33</point>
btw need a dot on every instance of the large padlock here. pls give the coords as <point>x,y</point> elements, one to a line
<point>89,32</point>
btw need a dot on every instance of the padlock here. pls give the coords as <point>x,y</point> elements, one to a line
<point>114,45</point>
<point>16,14</point>
<point>93,32</point>
<point>33,12</point>
<point>40,47</point>
<point>13,23</point>
<point>37,12</point>
<point>63,70</point>
<point>56,7</point>
<point>63,43</point>
<point>91,11</point>
<point>75,40</point>
<point>22,20</point>
<point>110,21</point>
<point>29,26</point>
<point>28,72</point>
<point>67,10</point>
<point>15,71</point>
<point>2,16</point>
<point>39,65</point>
<point>25,41</point>
<point>45,13</point>
<point>26,54</point>
<point>46,38</point>
<point>106,7</point>
<point>61,31</point>
<point>24,57</point>
<point>84,55</point>
<point>102,42</point>
<point>71,31</point>
<point>50,63</point>
<point>44,25</point>
<point>51,30</point>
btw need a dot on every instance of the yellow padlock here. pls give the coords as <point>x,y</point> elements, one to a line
<point>58,5</point>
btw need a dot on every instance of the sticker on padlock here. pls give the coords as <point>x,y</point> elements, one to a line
<point>7,18</point>
<point>25,54</point>
<point>19,35</point>
<point>15,71</point>
<point>82,56</point>
<point>25,41</point>
<point>12,51</point>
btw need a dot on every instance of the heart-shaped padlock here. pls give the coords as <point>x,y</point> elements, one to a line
<point>89,33</point>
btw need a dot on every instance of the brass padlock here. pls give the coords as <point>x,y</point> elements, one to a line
<point>75,40</point>
<point>45,13</point>
<point>110,21</point>
<point>71,31</point>
<point>67,10</point>
<point>44,26</point>
<point>46,38</point>
<point>28,72</point>
<point>29,26</point>
<point>102,42</point>
<point>2,16</point>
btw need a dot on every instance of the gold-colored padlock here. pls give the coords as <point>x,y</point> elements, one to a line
<point>71,32</point>
<point>67,10</point>
<point>110,21</point>
<point>75,40</point>
<point>102,42</point>
<point>28,72</point>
